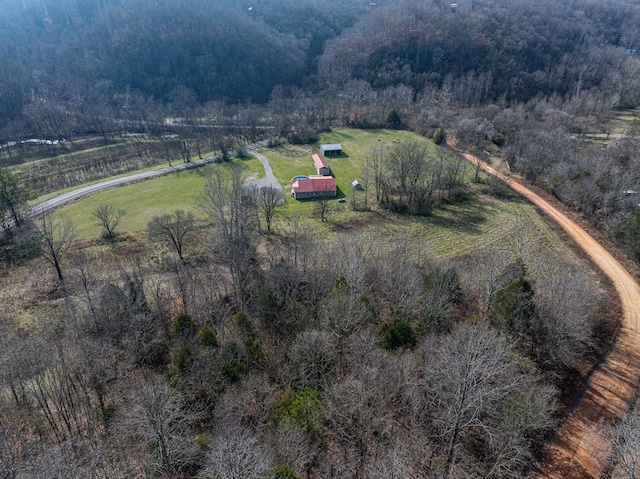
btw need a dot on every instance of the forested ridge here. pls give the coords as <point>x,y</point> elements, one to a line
<point>241,343</point>
<point>74,60</point>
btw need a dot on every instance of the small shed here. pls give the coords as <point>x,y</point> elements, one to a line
<point>321,165</point>
<point>314,187</point>
<point>334,149</point>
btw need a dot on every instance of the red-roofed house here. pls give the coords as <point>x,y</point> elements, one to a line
<point>314,187</point>
<point>321,165</point>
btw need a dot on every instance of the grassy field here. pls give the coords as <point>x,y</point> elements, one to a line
<point>621,120</point>
<point>292,160</point>
<point>481,222</point>
<point>147,199</point>
<point>150,198</point>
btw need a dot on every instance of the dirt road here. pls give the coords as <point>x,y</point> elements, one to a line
<point>573,454</point>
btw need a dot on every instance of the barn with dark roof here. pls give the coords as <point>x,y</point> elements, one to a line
<point>334,149</point>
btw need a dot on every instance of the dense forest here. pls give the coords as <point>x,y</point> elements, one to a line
<point>68,65</point>
<point>223,348</point>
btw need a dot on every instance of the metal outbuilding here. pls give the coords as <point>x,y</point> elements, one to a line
<point>334,149</point>
<point>321,165</point>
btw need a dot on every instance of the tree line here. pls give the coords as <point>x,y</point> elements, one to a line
<point>73,68</point>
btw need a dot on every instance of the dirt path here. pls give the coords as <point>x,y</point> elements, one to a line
<point>573,455</point>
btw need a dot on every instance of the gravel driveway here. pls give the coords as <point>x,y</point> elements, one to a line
<point>269,178</point>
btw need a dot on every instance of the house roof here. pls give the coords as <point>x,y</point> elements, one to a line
<point>319,161</point>
<point>315,183</point>
<point>332,146</point>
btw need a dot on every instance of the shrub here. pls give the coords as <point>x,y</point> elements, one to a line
<point>393,120</point>
<point>283,471</point>
<point>203,440</point>
<point>245,328</point>
<point>183,325</point>
<point>154,353</point>
<point>300,408</point>
<point>439,136</point>
<point>181,360</point>
<point>398,334</point>
<point>208,336</point>
<point>233,362</point>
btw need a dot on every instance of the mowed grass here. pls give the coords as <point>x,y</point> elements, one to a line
<point>620,122</point>
<point>149,198</point>
<point>485,222</point>
<point>292,160</point>
<point>480,222</point>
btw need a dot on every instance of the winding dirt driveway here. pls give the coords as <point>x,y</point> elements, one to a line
<point>573,455</point>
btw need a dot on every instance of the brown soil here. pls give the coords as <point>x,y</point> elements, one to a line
<point>574,453</point>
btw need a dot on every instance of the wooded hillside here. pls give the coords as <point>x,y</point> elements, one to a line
<point>67,64</point>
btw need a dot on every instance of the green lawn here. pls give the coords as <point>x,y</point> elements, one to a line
<point>153,197</point>
<point>147,199</point>
<point>480,222</point>
<point>291,160</point>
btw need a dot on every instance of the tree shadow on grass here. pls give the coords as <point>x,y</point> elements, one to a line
<point>465,216</point>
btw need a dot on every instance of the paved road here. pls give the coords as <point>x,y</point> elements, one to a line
<point>87,190</point>
<point>575,453</point>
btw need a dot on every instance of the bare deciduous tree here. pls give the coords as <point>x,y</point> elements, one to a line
<point>314,359</point>
<point>236,454</point>
<point>483,273</point>
<point>232,211</point>
<point>360,409</point>
<point>9,452</point>
<point>160,418</point>
<point>321,208</point>
<point>621,454</point>
<point>269,201</point>
<point>296,448</point>
<point>477,383</point>
<point>228,205</point>
<point>108,218</point>
<point>173,228</point>
<point>56,232</point>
